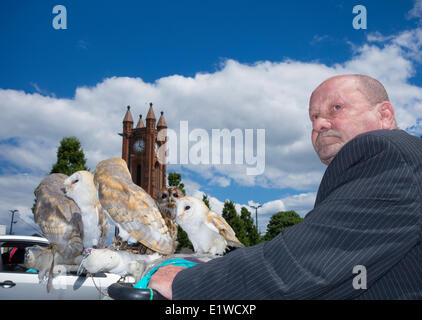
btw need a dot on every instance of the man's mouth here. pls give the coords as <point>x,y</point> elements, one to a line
<point>325,140</point>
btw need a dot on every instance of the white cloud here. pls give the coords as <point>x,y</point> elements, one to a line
<point>220,181</point>
<point>18,193</point>
<point>416,11</point>
<point>301,203</point>
<point>270,95</point>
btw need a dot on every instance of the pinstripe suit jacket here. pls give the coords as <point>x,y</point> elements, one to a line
<point>367,212</point>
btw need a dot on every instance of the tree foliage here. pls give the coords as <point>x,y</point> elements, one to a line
<point>70,157</point>
<point>233,219</point>
<point>183,240</point>
<point>280,221</point>
<point>206,200</point>
<point>175,180</point>
<point>251,230</point>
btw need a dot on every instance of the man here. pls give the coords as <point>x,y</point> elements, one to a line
<point>367,215</point>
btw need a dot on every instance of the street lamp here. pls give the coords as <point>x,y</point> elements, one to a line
<point>256,214</point>
<point>12,222</point>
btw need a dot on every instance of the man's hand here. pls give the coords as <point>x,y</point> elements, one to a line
<point>162,280</point>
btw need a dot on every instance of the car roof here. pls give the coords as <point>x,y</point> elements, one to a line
<point>23,239</point>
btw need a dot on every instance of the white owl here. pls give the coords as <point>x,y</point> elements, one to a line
<point>208,232</point>
<point>117,261</point>
<point>80,187</point>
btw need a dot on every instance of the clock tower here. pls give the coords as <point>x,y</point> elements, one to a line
<point>141,151</point>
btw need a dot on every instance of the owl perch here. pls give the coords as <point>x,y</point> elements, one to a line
<point>41,259</point>
<point>118,262</point>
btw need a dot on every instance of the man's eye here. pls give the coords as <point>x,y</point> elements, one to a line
<point>337,107</point>
<point>314,117</point>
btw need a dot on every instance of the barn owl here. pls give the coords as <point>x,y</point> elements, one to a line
<point>132,209</point>
<point>116,261</point>
<point>208,232</point>
<point>166,201</point>
<point>80,187</point>
<point>58,217</point>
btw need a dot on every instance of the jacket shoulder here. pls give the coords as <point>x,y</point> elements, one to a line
<point>374,153</point>
<point>408,145</point>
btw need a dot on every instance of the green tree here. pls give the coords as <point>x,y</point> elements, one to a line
<point>229,211</point>
<point>280,221</point>
<point>251,230</point>
<point>70,157</point>
<point>206,200</point>
<point>175,180</point>
<point>183,240</point>
<point>233,219</point>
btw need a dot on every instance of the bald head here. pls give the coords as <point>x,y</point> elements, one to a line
<point>372,89</point>
<point>345,106</point>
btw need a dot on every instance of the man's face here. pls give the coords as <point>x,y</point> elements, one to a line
<point>339,112</point>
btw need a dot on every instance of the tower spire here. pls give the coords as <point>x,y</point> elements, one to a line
<point>151,114</point>
<point>128,116</point>
<point>161,122</point>
<point>140,122</point>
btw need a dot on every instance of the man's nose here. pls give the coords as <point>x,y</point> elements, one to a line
<point>321,124</point>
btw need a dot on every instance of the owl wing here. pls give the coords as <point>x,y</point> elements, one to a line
<point>219,224</point>
<point>103,224</point>
<point>130,206</point>
<point>58,217</point>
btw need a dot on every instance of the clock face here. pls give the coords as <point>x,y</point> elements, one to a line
<point>139,145</point>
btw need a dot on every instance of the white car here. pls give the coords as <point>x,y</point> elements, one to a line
<point>20,283</point>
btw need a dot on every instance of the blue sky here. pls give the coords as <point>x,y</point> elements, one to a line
<point>188,57</point>
<point>152,39</point>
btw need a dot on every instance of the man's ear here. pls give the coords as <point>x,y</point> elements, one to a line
<point>387,115</point>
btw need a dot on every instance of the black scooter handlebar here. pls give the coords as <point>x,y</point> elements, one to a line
<point>126,291</point>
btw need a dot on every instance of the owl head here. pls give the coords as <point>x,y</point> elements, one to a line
<point>167,198</point>
<point>80,187</point>
<point>190,210</point>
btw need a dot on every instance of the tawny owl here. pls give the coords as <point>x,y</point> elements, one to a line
<point>132,209</point>
<point>80,187</point>
<point>166,201</point>
<point>59,217</point>
<point>208,232</point>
